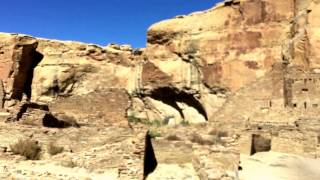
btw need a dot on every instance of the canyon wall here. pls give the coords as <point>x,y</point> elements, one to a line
<point>200,67</point>
<point>247,72</point>
<point>244,54</point>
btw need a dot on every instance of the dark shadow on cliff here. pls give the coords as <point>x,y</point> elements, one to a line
<point>171,96</point>
<point>22,84</point>
<point>28,86</point>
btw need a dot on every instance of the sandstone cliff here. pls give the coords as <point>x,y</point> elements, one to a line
<point>235,45</point>
<point>191,66</point>
<point>249,67</point>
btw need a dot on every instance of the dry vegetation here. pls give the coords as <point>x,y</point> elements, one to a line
<point>173,137</point>
<point>69,163</point>
<point>27,148</point>
<point>54,149</point>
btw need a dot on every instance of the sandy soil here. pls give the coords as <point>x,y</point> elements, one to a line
<point>278,166</point>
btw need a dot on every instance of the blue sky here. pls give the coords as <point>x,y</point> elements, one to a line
<point>92,21</point>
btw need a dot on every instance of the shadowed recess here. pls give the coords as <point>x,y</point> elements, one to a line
<point>150,162</point>
<point>260,144</point>
<point>26,63</point>
<point>171,96</point>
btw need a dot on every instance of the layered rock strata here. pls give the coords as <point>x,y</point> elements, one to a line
<point>249,68</point>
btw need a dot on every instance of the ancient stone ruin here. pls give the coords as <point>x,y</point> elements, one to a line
<point>212,94</point>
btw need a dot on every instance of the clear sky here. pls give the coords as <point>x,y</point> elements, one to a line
<point>92,21</point>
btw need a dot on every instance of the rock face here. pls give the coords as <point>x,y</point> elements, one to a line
<point>251,64</point>
<point>232,46</point>
<point>72,68</point>
<point>44,71</point>
<point>250,67</point>
<point>229,47</point>
<point>19,58</point>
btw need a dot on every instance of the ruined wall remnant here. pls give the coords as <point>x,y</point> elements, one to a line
<point>301,89</point>
<point>260,144</point>
<point>287,92</point>
<point>2,94</point>
<point>296,142</point>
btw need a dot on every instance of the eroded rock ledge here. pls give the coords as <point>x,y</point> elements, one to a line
<point>246,71</point>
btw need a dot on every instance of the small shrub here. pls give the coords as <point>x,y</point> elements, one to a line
<point>69,163</point>
<point>154,134</point>
<point>133,119</point>
<point>157,123</point>
<point>173,137</point>
<point>54,149</point>
<point>191,48</point>
<point>27,148</point>
<point>185,123</point>
<point>136,120</point>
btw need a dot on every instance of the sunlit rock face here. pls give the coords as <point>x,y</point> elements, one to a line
<point>68,68</point>
<point>18,58</point>
<point>219,51</point>
<point>231,44</point>
<point>205,55</point>
<point>73,68</point>
<point>234,46</point>
<point>246,72</point>
<point>73,74</point>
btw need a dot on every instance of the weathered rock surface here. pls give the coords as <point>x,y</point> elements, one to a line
<point>231,46</point>
<point>235,44</point>
<point>256,61</point>
<point>246,71</point>
<point>72,68</point>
